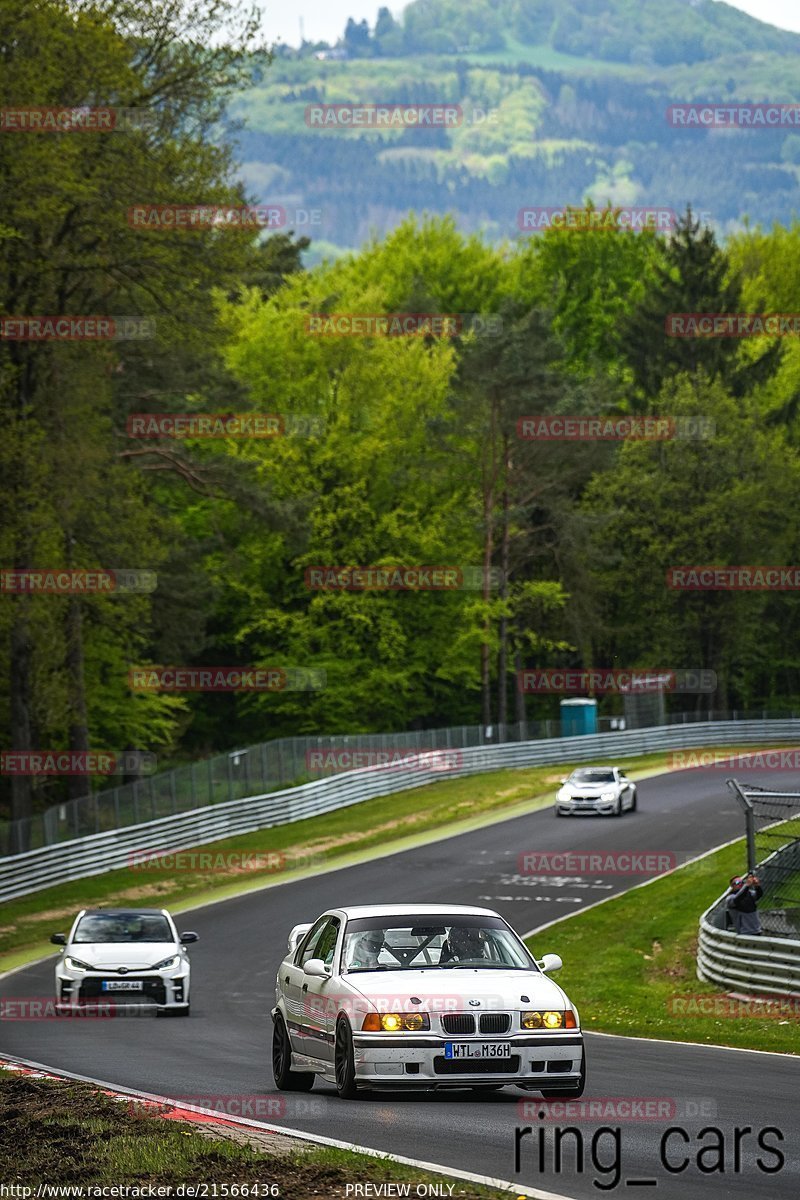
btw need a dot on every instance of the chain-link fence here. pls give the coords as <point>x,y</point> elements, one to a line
<point>773,831</point>
<point>268,767</point>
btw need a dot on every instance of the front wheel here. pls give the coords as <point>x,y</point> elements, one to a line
<point>287,1080</point>
<point>344,1061</point>
<point>568,1093</point>
<point>633,802</point>
<point>618,810</point>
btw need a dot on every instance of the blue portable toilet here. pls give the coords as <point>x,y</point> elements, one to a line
<point>577,717</point>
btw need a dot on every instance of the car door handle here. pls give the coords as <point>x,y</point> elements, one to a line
<point>286,979</point>
<point>305,987</point>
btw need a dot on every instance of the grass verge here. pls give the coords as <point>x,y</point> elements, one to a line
<point>626,960</point>
<point>74,1134</point>
<point>339,838</point>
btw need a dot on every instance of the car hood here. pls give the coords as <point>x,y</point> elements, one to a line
<point>121,954</point>
<point>452,991</point>
<point>588,789</point>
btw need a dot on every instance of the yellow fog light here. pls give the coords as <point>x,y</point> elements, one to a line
<point>543,1020</point>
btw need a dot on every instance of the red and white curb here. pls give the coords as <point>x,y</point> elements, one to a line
<point>170,1109</point>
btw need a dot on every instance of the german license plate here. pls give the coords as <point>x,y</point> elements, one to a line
<point>122,985</point>
<point>477,1050</point>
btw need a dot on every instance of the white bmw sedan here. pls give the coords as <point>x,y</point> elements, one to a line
<point>421,996</point>
<point>135,956</point>
<point>605,790</point>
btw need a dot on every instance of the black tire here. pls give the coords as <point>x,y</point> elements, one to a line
<point>287,1080</point>
<point>633,806</point>
<point>344,1064</point>
<point>559,813</point>
<point>567,1093</point>
<point>618,810</point>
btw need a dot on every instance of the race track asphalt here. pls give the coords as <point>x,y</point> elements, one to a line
<point>222,1050</point>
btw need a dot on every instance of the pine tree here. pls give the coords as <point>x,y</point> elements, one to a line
<point>694,276</point>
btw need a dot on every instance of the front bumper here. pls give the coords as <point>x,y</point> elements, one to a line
<point>580,808</point>
<point>415,1060</point>
<point>162,990</point>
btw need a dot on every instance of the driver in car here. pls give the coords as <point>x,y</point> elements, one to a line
<point>366,949</point>
<point>463,945</point>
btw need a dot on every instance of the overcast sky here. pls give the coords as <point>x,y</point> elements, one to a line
<point>324,20</point>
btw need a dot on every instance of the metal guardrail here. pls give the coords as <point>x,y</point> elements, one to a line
<point>271,766</point>
<point>98,853</point>
<point>756,965</point>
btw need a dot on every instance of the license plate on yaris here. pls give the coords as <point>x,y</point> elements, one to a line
<point>477,1050</point>
<point>119,985</point>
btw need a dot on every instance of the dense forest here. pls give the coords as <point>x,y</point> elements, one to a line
<point>388,449</point>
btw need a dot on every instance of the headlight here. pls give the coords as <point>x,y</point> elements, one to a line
<point>396,1022</point>
<point>549,1020</point>
<point>609,795</point>
<point>172,961</point>
<point>75,964</point>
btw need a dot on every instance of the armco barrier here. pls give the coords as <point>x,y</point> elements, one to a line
<point>753,965</point>
<point>98,853</point>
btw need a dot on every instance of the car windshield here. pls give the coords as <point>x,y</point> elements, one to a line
<point>123,927</point>
<point>592,775</point>
<point>405,943</point>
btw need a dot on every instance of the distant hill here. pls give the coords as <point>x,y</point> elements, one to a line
<point>562,99</point>
<point>662,32</point>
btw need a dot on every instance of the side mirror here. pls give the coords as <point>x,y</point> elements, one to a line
<point>550,963</point>
<point>296,936</point>
<point>186,938</point>
<point>316,968</point>
<point>58,939</point>
<point>563,781</point>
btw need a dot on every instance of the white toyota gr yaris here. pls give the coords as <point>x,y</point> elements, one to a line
<point>421,996</point>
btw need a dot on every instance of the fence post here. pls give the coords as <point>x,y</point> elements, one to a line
<point>749,822</point>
